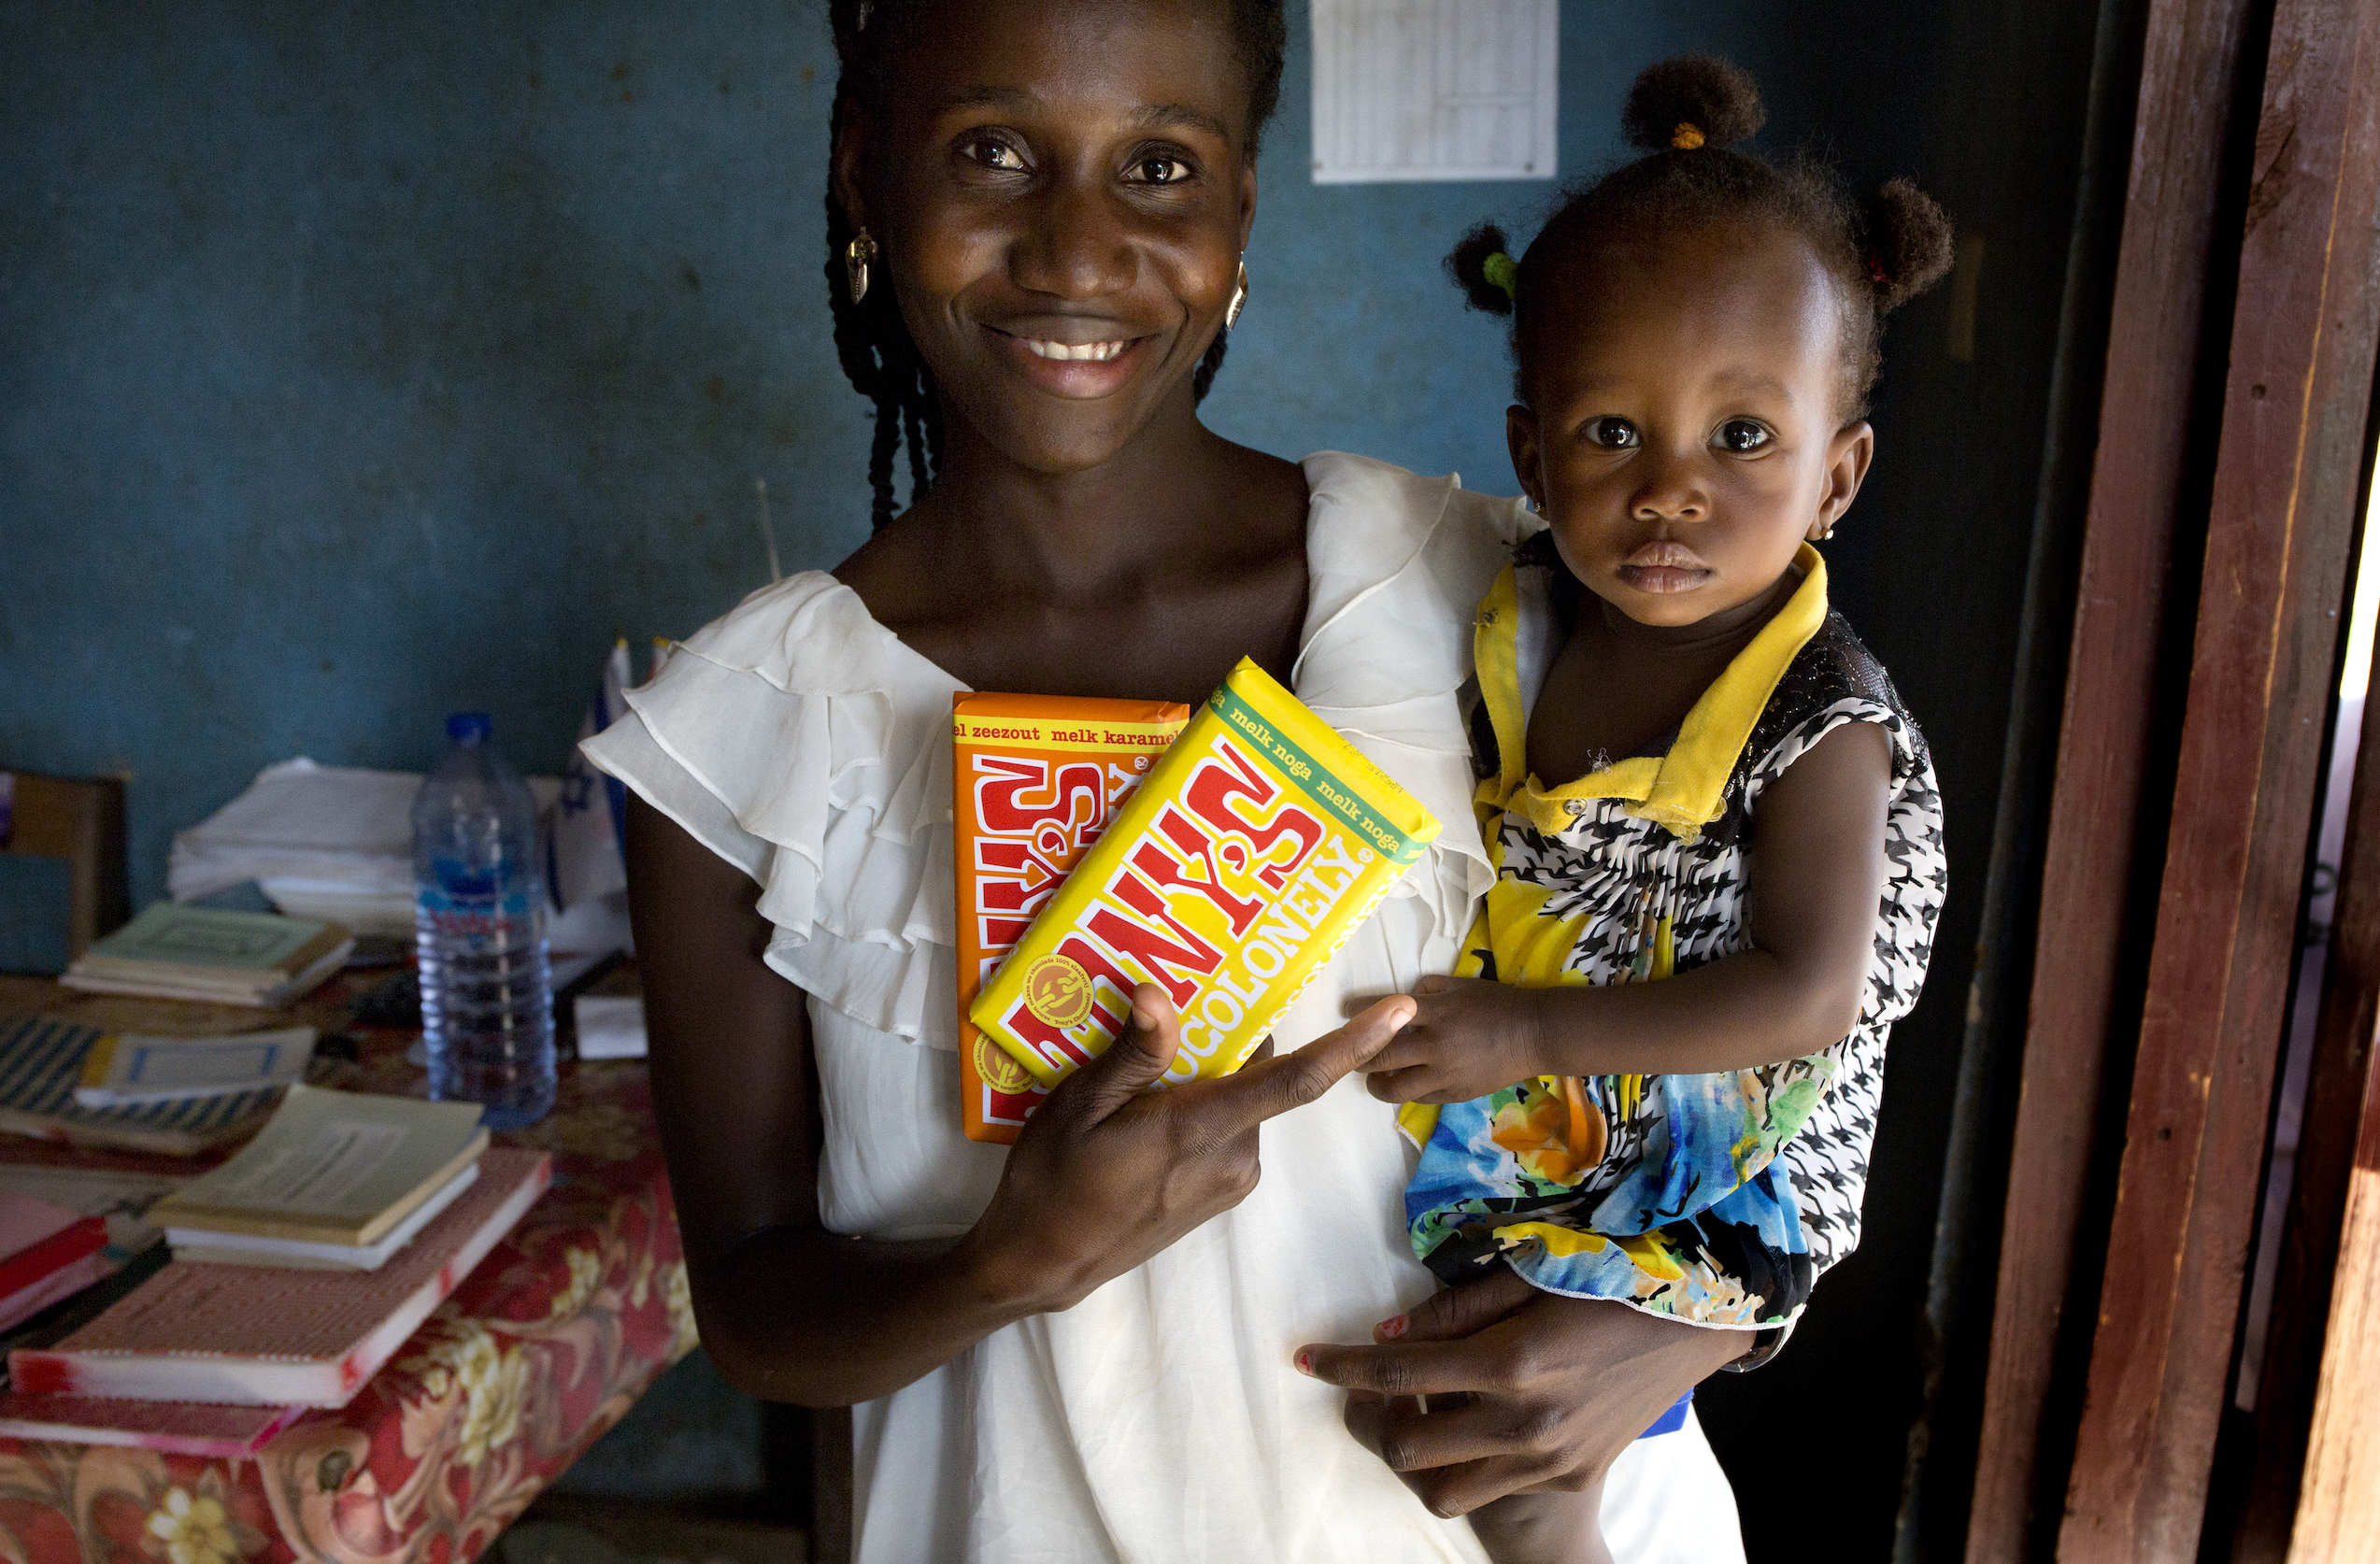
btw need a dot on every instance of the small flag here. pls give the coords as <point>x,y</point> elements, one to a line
<point>591,824</point>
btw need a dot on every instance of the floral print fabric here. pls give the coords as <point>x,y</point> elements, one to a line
<point>538,1353</point>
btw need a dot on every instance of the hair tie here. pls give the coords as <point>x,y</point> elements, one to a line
<point>1687,136</point>
<point>1502,271</point>
<point>1877,273</point>
<point>865,7</point>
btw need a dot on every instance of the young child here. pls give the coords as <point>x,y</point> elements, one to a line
<point>1693,770</point>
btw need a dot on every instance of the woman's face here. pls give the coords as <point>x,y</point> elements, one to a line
<point>1061,191</point>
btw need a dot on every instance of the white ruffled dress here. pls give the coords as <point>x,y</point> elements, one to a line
<point>1160,1419</point>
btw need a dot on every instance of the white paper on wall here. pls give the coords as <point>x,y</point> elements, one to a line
<point>1434,90</point>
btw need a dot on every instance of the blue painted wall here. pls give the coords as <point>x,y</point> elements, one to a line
<point>360,361</point>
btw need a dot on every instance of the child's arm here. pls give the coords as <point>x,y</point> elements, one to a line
<point>1815,877</point>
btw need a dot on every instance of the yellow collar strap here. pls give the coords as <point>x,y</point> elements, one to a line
<point>1681,792</point>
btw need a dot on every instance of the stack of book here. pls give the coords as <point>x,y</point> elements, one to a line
<point>173,951</point>
<point>336,1180</point>
<point>344,1223</point>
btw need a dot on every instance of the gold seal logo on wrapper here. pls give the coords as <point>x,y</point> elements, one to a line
<point>997,1069</point>
<point>1058,990</point>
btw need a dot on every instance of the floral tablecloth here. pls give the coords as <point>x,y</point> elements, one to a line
<point>539,1352</point>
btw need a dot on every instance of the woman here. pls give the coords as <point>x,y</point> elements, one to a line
<point>1086,1347</point>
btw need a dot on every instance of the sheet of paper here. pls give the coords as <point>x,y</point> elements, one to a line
<point>1421,89</point>
<point>341,826</point>
<point>319,1173</point>
<point>610,1026</point>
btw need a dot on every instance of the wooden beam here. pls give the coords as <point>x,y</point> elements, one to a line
<point>2283,512</point>
<point>2189,71</point>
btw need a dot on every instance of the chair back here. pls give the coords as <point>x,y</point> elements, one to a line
<point>77,821</point>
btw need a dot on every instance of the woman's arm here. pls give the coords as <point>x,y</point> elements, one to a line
<point>1814,883</point>
<point>788,1311</point>
<point>1104,1175</point>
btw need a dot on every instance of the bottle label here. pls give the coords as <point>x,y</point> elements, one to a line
<point>510,919</point>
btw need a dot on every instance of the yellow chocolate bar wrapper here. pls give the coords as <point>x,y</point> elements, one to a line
<point>1229,879</point>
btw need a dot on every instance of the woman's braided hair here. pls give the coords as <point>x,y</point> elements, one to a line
<point>871,340</point>
<point>1686,113</point>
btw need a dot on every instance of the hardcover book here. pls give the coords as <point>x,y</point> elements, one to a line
<point>1035,780</point>
<point>47,1253</point>
<point>1259,841</point>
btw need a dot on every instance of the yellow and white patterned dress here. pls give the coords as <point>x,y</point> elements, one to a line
<point>1718,1198</point>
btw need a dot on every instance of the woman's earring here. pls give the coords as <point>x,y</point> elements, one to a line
<point>856,255</point>
<point>1826,532</point>
<point>1239,299</point>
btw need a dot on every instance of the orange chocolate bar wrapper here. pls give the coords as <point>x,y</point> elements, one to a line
<point>1036,780</point>
<point>1259,841</point>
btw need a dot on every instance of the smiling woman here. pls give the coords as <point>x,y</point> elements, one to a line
<point>1183,164</point>
<point>1087,1347</point>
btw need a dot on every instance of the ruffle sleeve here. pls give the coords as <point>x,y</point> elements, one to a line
<point>1396,562</point>
<point>805,743</point>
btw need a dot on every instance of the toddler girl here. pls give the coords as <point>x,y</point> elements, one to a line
<point>1717,837</point>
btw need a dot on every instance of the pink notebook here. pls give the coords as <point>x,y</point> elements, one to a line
<point>174,1427</point>
<point>264,1336</point>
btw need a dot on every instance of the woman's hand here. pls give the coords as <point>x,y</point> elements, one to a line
<point>1108,1173</point>
<point>1468,1038</point>
<point>1530,1391</point>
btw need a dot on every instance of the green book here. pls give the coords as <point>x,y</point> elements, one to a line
<point>237,942</point>
<point>206,953</point>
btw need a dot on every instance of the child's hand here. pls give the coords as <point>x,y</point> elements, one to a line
<point>1470,1038</point>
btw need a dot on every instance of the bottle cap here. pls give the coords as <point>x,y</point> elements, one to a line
<point>469,727</point>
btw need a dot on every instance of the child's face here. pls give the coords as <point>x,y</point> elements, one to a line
<point>1684,435</point>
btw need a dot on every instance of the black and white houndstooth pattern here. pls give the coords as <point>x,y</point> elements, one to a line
<point>1603,864</point>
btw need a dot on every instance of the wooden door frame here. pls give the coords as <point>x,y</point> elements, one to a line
<point>2156,322</point>
<point>2281,514</point>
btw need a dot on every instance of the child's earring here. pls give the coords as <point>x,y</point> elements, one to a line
<point>1239,299</point>
<point>856,255</point>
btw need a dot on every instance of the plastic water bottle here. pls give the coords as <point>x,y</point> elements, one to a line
<point>479,923</point>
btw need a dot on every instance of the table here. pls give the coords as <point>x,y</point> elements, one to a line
<point>540,1350</point>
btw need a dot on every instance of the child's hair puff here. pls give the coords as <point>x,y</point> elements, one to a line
<point>1694,97</point>
<point>1467,264</point>
<point>1689,114</point>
